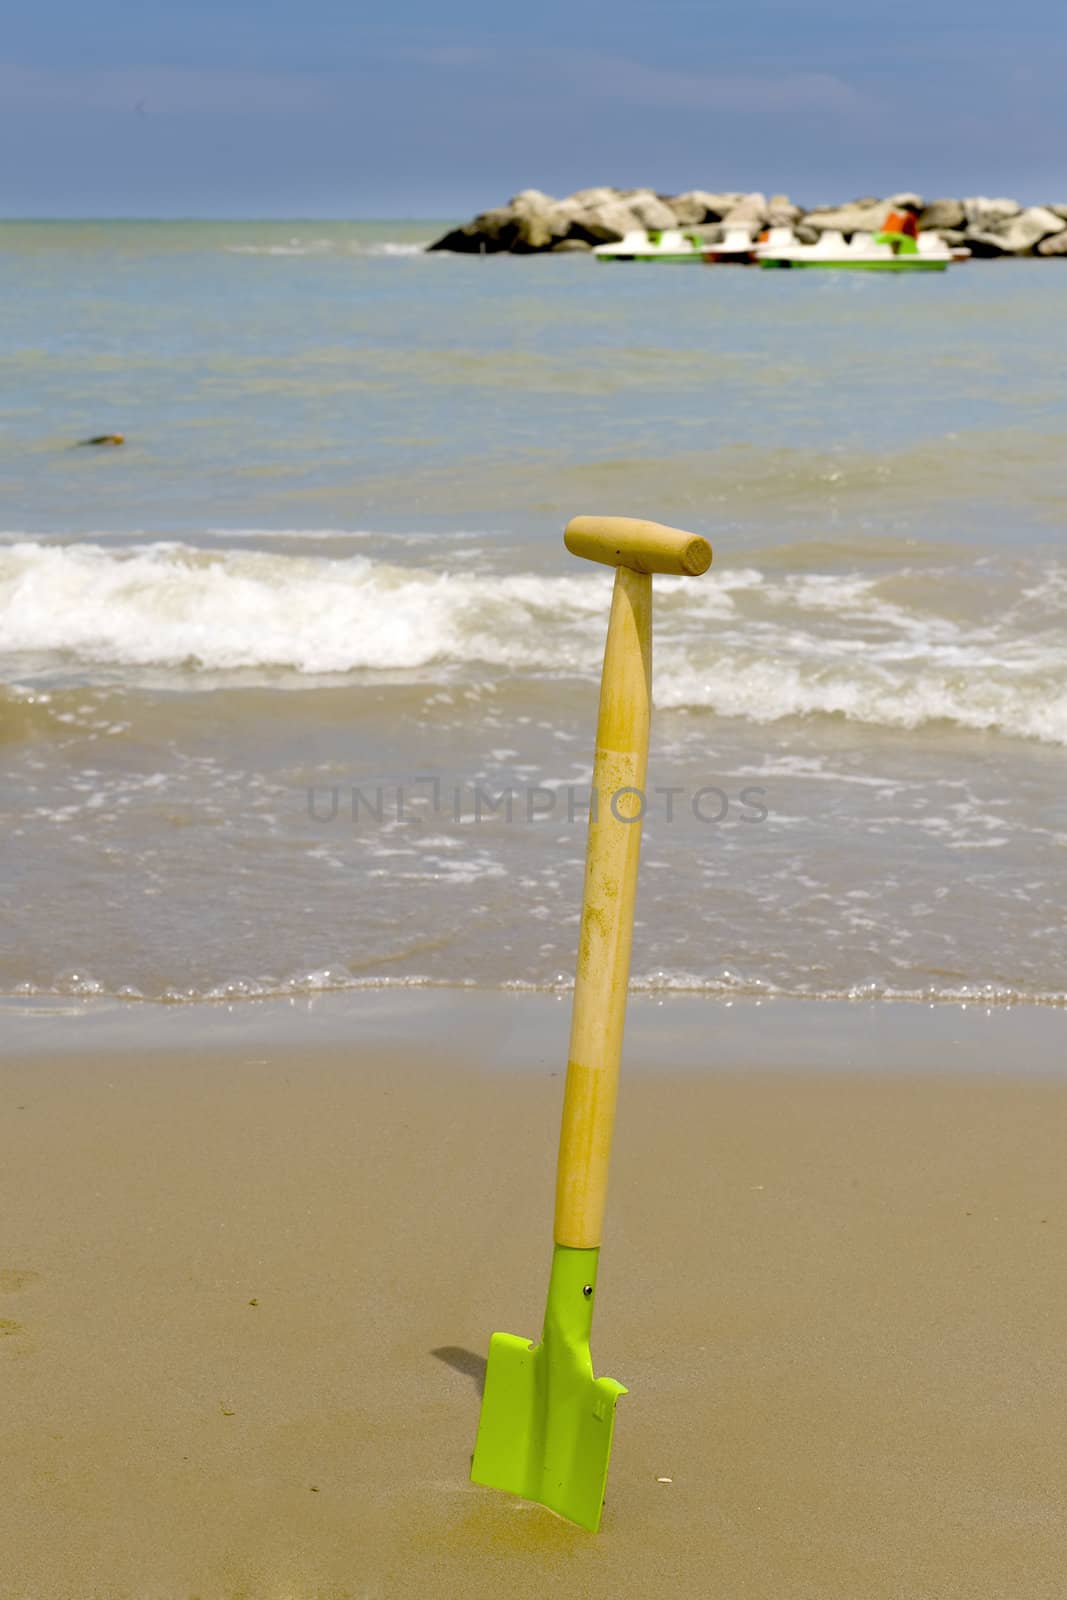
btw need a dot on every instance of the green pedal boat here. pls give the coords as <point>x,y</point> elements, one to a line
<point>862,253</point>
<point>668,244</point>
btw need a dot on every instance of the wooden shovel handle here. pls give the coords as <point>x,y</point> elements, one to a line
<point>636,549</point>
<point>641,546</point>
<point>607,914</point>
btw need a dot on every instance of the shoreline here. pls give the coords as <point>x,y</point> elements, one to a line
<point>523,1030</point>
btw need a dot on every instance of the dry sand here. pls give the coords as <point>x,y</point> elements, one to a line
<point>245,1293</point>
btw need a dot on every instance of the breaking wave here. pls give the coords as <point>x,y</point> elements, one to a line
<point>898,649</point>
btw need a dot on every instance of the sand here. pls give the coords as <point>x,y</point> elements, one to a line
<point>246,1288</point>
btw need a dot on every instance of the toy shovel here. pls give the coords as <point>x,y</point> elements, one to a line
<point>546,1422</point>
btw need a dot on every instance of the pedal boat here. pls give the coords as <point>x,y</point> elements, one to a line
<point>736,248</point>
<point>667,244</point>
<point>862,253</point>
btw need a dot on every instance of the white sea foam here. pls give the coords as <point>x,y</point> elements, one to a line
<point>168,604</point>
<point>743,643</point>
<point>325,247</point>
<point>392,248</point>
<point>976,695</point>
<point>726,988</point>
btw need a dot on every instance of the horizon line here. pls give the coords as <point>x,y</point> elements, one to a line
<point>236,216</point>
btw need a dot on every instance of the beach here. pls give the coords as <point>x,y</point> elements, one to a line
<point>252,1258</point>
<point>298,690</point>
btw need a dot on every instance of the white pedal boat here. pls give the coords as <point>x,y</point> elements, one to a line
<point>736,249</point>
<point>860,253</point>
<point>668,244</point>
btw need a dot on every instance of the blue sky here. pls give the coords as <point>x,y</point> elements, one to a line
<point>258,108</point>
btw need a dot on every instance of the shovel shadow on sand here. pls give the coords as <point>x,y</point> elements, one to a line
<point>472,1366</point>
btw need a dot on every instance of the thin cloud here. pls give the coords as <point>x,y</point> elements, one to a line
<point>162,91</point>
<point>626,82</point>
<point>661,89</point>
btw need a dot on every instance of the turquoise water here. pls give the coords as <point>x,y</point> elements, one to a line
<point>328,556</point>
<point>298,375</point>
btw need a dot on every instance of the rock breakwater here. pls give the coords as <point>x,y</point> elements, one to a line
<point>533,223</point>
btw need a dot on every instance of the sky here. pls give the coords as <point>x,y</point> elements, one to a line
<point>331,108</point>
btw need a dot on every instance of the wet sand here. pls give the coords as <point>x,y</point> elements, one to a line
<point>246,1288</point>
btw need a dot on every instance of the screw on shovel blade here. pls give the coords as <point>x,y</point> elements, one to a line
<point>546,1424</point>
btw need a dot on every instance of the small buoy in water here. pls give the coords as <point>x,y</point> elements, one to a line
<point>106,438</point>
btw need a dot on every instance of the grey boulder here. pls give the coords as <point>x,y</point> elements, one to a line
<point>649,209</point>
<point>460,241</point>
<point>861,216</point>
<point>1018,235</point>
<point>981,212</point>
<point>539,220</point>
<point>781,212</point>
<point>700,205</point>
<point>524,225</point>
<point>601,196</point>
<point>751,208</point>
<point>938,214</point>
<point>604,223</point>
<point>906,197</point>
<point>866,215</point>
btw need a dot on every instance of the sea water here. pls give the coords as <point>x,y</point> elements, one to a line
<point>298,686</point>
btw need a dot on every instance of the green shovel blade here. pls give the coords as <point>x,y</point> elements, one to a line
<point>546,1424</point>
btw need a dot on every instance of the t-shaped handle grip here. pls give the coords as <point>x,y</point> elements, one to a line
<point>641,546</point>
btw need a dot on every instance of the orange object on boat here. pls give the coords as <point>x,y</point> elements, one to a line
<point>905,222</point>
